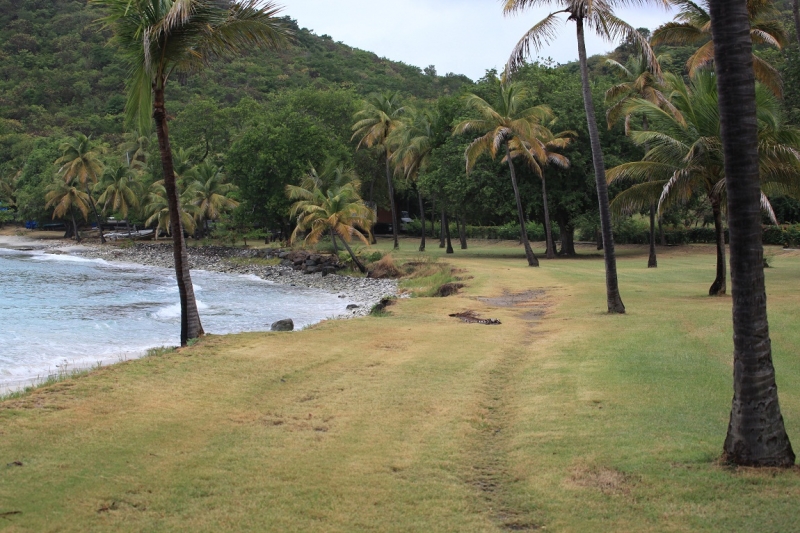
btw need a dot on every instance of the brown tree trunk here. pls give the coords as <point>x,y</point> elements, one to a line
<point>96,216</point>
<point>756,433</point>
<point>523,231</point>
<point>441,230</point>
<point>422,217</point>
<point>358,263</point>
<point>613,298</point>
<point>190,318</point>
<point>720,285</point>
<point>462,232</point>
<point>391,200</point>
<point>447,233</point>
<point>652,261</point>
<point>333,240</point>
<point>550,253</point>
<point>75,227</point>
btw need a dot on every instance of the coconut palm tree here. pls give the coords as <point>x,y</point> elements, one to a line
<point>66,198</point>
<point>158,212</point>
<point>639,81</point>
<point>756,433</point>
<point>539,152</point>
<point>686,156</point>
<point>374,123</point>
<point>693,26</point>
<point>80,162</point>
<point>414,139</point>
<point>600,17</point>
<point>331,208</point>
<point>120,190</point>
<point>209,193</point>
<point>505,125</point>
<point>159,37</point>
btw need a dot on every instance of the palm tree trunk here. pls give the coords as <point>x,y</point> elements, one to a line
<point>391,200</point>
<point>333,240</point>
<point>756,433</point>
<point>550,253</point>
<point>441,229</point>
<point>719,287</point>
<point>462,232</point>
<point>613,298</point>
<point>96,216</point>
<point>523,232</point>
<point>652,261</point>
<point>75,226</point>
<point>358,263</point>
<point>446,224</point>
<point>422,216</point>
<point>661,233</point>
<point>190,318</point>
<point>433,216</point>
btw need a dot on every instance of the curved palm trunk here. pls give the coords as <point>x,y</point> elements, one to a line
<point>358,263</point>
<point>613,297</point>
<point>422,216</point>
<point>652,261</point>
<point>391,201</point>
<point>96,216</point>
<point>190,318</point>
<point>462,232</point>
<point>720,285</point>
<point>446,223</point>
<point>333,240</point>
<point>548,233</point>
<point>523,232</point>
<point>756,433</point>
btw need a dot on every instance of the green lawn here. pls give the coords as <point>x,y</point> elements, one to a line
<point>562,418</point>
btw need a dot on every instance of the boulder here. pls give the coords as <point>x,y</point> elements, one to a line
<point>352,306</point>
<point>287,324</point>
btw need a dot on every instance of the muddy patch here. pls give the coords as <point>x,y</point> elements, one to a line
<point>471,317</point>
<point>449,289</point>
<point>508,299</point>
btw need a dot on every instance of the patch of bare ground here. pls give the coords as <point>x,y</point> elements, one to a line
<point>491,475</point>
<point>606,480</point>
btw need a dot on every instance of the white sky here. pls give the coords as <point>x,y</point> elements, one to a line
<point>459,36</point>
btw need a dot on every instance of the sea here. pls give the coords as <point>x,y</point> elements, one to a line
<point>60,313</point>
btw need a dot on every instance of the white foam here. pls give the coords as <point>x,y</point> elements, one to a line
<point>67,258</point>
<point>174,311</point>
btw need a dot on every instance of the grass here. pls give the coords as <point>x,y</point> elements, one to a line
<point>562,417</point>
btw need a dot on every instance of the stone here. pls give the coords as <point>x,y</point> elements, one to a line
<point>352,306</point>
<point>287,324</point>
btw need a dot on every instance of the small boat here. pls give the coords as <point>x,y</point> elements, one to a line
<point>142,234</point>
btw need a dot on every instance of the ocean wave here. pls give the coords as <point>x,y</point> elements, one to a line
<point>173,311</point>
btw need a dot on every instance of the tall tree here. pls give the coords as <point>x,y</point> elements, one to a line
<point>639,81</point>
<point>80,163</point>
<point>693,26</point>
<point>161,37</point>
<point>210,193</point>
<point>65,198</point>
<point>756,433</point>
<point>120,190</point>
<point>600,17</point>
<point>505,125</point>
<point>375,121</point>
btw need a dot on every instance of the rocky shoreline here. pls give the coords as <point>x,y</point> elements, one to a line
<point>362,292</point>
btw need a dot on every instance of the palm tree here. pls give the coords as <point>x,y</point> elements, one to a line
<point>639,81</point>
<point>333,208</point>
<point>159,37</point>
<point>686,157</point>
<point>120,190</point>
<point>756,433</point>
<point>374,123</point>
<point>693,26</point>
<point>209,193</point>
<point>600,17</point>
<point>505,125</point>
<point>80,162</point>
<point>66,198</point>
<point>537,153</point>
<point>157,210</point>
<point>414,139</point>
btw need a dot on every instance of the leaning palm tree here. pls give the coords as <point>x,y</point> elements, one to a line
<point>686,157</point>
<point>639,81</point>
<point>66,198</point>
<point>374,123</point>
<point>414,139</point>
<point>159,37</point>
<point>505,125</point>
<point>693,26</point>
<point>209,193</point>
<point>600,17</point>
<point>337,210</point>
<point>80,162</point>
<point>539,152</point>
<point>120,190</point>
<point>756,433</point>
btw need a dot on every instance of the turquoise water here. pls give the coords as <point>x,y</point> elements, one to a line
<point>62,312</point>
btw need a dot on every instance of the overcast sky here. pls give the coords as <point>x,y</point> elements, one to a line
<point>459,36</point>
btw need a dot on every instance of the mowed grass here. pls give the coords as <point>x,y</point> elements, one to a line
<point>562,417</point>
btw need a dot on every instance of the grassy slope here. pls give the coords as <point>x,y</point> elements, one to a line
<point>577,421</point>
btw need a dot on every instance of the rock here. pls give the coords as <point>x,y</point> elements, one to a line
<point>287,324</point>
<point>352,306</point>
